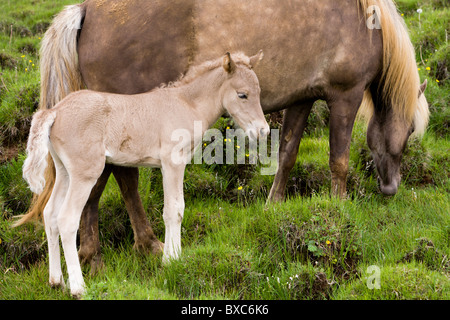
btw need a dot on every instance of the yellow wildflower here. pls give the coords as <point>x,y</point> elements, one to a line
<point>428,68</point>
<point>240,188</point>
<point>328,242</point>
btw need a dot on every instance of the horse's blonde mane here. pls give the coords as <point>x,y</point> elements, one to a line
<point>400,77</point>
<point>194,72</point>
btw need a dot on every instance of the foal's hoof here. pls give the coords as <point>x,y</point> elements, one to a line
<point>57,285</point>
<point>77,295</point>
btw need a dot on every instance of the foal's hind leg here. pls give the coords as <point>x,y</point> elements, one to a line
<point>294,123</point>
<point>68,222</point>
<point>51,212</point>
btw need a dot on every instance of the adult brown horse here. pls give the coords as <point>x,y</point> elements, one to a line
<point>336,50</point>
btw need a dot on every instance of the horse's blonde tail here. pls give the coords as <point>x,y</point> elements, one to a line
<point>37,155</point>
<point>60,75</point>
<point>60,72</point>
<point>400,78</point>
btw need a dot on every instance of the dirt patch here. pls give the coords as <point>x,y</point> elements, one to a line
<point>8,153</point>
<point>41,27</point>
<point>7,61</point>
<point>427,253</point>
<point>322,242</point>
<point>442,72</point>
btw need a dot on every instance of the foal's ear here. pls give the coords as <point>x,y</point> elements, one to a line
<point>423,87</point>
<point>256,59</point>
<point>228,63</point>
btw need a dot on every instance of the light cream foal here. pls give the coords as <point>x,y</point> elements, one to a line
<point>88,129</point>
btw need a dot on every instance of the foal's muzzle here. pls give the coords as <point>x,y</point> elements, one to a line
<point>258,130</point>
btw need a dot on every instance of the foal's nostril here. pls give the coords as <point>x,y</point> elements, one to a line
<point>252,134</point>
<point>262,132</point>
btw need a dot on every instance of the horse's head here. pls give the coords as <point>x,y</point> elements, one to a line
<point>387,137</point>
<point>241,96</point>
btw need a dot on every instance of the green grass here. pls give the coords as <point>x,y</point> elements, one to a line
<point>234,245</point>
<point>278,252</point>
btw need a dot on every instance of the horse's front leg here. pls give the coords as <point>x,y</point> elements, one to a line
<point>343,110</point>
<point>144,238</point>
<point>173,208</point>
<point>294,123</point>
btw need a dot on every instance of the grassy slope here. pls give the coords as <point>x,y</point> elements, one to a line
<point>309,247</point>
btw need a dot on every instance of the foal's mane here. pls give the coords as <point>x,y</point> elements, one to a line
<point>194,72</point>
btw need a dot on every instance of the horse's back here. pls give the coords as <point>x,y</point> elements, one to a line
<point>127,46</point>
<point>310,47</point>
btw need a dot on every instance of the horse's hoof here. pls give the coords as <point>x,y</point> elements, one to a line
<point>154,247</point>
<point>97,265</point>
<point>93,259</point>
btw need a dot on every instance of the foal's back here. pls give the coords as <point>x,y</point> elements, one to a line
<point>121,129</point>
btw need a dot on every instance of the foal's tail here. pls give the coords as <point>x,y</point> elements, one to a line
<point>37,156</point>
<point>60,75</point>
<point>37,150</point>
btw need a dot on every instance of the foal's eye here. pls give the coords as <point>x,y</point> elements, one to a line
<point>242,95</point>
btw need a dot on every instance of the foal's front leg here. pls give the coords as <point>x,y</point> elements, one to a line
<point>173,208</point>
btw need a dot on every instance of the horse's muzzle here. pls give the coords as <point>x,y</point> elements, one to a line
<point>391,188</point>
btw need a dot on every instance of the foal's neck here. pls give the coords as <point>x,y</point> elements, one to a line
<point>204,94</point>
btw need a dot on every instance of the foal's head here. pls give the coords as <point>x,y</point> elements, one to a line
<point>241,95</point>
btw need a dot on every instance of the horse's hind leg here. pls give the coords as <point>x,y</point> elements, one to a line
<point>89,252</point>
<point>144,238</point>
<point>294,123</point>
